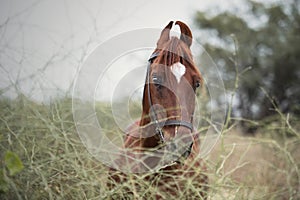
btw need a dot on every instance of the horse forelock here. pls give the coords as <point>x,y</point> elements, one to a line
<point>174,51</point>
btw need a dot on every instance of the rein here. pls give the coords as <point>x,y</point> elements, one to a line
<point>160,124</point>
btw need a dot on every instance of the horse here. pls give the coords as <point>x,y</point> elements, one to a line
<point>166,123</point>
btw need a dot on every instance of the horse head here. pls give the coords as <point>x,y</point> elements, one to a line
<point>169,92</point>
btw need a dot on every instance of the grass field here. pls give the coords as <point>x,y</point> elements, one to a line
<point>42,157</point>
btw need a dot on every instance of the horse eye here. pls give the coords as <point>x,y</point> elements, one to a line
<point>156,80</point>
<point>197,84</point>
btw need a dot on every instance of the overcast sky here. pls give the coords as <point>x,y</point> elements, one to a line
<point>44,42</point>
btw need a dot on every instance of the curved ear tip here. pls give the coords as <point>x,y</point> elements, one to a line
<point>178,22</point>
<point>170,24</point>
<point>186,34</point>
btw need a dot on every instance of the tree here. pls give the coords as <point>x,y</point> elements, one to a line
<point>271,49</point>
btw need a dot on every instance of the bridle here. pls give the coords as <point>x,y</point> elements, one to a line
<point>168,122</point>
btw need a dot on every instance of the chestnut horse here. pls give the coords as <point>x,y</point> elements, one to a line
<point>166,124</point>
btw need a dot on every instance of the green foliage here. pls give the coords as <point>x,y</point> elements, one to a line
<point>58,166</point>
<point>268,55</point>
<point>13,163</point>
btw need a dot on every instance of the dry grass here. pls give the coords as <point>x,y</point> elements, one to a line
<point>255,167</point>
<point>57,166</point>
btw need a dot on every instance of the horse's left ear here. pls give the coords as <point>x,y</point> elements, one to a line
<point>186,34</point>
<point>165,35</point>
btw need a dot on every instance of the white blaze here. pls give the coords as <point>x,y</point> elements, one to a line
<point>178,70</point>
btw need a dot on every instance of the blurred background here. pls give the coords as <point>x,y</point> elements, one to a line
<point>44,43</point>
<point>263,40</point>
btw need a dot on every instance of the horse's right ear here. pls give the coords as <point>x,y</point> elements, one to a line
<point>186,34</point>
<point>165,35</point>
